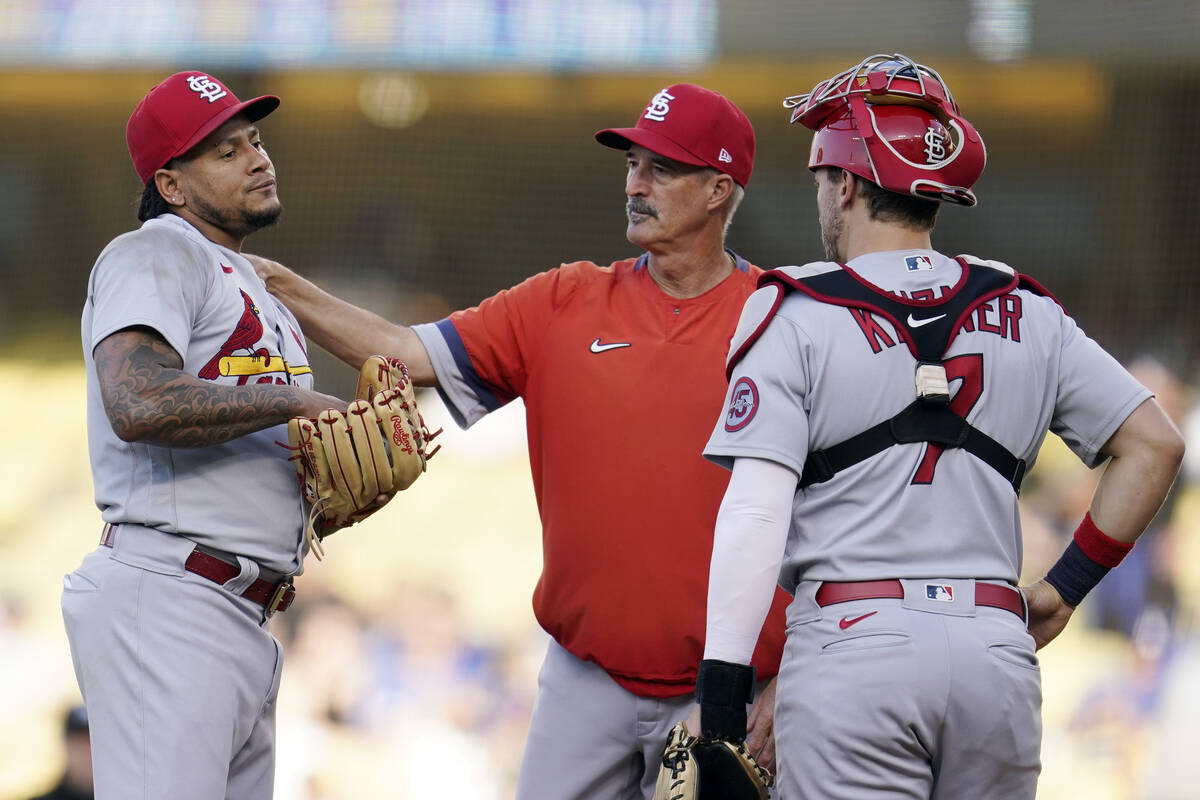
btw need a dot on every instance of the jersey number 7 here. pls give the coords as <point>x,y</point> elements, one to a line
<point>968,369</point>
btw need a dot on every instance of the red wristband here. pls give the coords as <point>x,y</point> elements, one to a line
<point>1099,546</point>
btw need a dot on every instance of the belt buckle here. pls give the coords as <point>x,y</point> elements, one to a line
<point>277,597</point>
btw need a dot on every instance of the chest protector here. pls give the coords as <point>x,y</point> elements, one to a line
<point>927,327</point>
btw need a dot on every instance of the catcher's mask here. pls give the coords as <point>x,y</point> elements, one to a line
<point>893,121</point>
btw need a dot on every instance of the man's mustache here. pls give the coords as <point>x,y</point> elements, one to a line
<point>636,206</point>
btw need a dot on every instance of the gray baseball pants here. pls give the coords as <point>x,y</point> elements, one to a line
<point>590,739</point>
<point>179,674</point>
<point>907,699</point>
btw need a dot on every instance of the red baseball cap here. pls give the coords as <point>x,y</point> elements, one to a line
<point>694,125</point>
<point>178,113</point>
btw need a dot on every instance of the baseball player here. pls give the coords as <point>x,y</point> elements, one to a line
<point>883,407</point>
<point>192,371</point>
<point>620,368</point>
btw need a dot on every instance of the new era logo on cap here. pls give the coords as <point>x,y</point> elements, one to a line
<point>178,113</point>
<point>694,125</point>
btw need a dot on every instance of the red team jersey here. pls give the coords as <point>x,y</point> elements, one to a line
<point>622,384</point>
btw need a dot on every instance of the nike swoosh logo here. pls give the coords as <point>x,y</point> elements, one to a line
<point>600,348</point>
<point>913,322</point>
<point>846,622</point>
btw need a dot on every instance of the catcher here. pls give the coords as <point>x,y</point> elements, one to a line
<point>351,464</point>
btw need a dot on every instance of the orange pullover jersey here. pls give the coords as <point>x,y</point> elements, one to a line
<point>622,386</point>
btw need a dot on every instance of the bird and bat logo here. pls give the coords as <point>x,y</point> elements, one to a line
<point>256,360</point>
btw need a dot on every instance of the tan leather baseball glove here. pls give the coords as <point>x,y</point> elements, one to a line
<point>695,768</point>
<point>350,464</point>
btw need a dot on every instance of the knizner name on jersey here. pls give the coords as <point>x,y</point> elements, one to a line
<point>1000,316</point>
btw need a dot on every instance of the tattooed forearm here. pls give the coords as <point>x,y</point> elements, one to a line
<point>148,399</point>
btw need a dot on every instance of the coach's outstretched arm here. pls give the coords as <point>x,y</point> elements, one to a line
<point>1145,454</point>
<point>350,333</point>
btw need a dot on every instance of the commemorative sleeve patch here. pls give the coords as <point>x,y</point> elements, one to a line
<point>743,405</point>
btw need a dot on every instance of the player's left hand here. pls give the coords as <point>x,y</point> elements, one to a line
<point>1048,612</point>
<point>351,464</point>
<point>695,768</point>
<point>760,726</point>
<point>693,718</point>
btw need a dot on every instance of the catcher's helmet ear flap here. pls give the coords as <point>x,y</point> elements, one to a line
<point>893,122</point>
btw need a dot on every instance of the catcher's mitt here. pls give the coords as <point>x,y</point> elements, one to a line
<point>696,768</point>
<point>715,765</point>
<point>346,461</point>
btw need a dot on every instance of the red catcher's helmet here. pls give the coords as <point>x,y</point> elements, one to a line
<point>893,121</point>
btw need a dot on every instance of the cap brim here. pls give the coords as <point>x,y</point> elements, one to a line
<point>254,110</point>
<point>621,138</point>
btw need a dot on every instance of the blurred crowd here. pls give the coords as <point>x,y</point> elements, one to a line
<point>395,693</point>
<point>401,692</point>
<point>1131,646</point>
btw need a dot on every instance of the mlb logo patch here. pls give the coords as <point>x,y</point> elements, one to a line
<point>940,592</point>
<point>916,263</point>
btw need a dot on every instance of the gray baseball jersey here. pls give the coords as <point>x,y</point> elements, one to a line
<point>820,373</point>
<point>206,301</point>
<point>920,684</point>
<point>179,671</point>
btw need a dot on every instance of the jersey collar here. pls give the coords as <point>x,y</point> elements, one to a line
<point>738,261</point>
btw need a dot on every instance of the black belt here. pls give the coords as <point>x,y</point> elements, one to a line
<point>986,594</point>
<point>271,595</point>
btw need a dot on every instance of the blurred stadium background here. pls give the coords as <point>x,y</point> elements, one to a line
<point>432,152</point>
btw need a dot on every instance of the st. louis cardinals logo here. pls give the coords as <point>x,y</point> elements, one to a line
<point>206,87</point>
<point>743,405</point>
<point>660,104</point>
<point>259,363</point>
<point>935,144</point>
<point>245,336</point>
